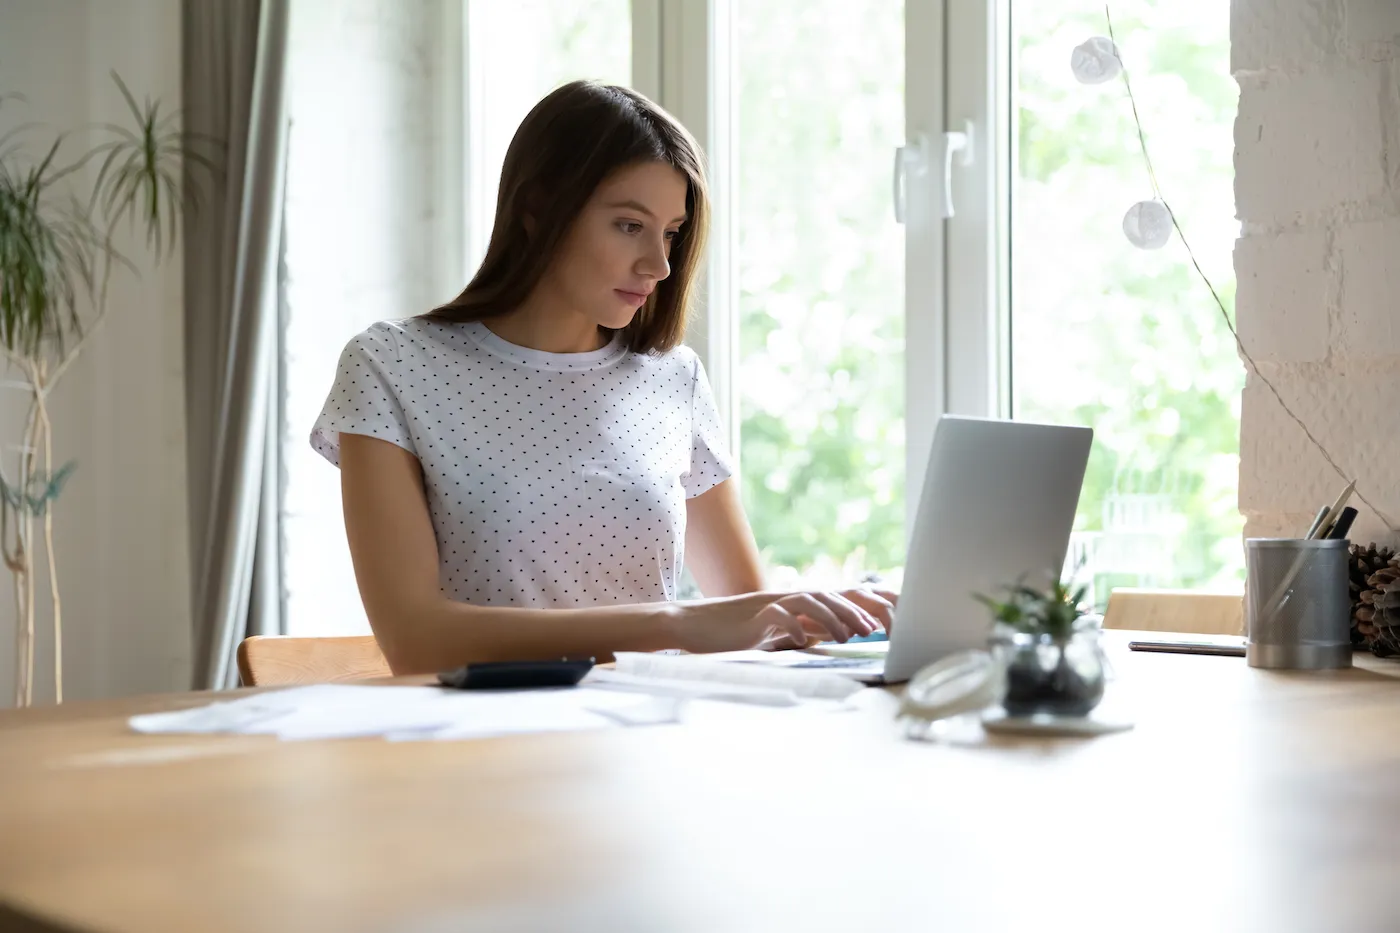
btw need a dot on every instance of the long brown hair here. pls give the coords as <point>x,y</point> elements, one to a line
<point>569,143</point>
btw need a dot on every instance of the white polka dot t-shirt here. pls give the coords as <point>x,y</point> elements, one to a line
<point>553,479</point>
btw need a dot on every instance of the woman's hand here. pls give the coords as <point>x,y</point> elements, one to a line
<point>793,620</point>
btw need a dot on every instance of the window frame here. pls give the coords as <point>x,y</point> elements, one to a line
<point>679,61</point>
<point>689,72</point>
<point>978,255</point>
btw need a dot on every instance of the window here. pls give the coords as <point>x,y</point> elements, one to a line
<point>567,40</point>
<point>1037,307</point>
<point>1126,340</point>
<point>834,332</point>
<point>819,93</point>
<point>362,216</point>
<point>375,202</point>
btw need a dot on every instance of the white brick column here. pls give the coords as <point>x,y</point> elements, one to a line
<point>1317,191</point>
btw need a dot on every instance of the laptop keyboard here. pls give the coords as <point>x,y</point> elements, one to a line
<point>837,662</point>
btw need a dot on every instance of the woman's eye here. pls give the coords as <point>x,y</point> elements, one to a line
<point>672,234</point>
<point>628,226</point>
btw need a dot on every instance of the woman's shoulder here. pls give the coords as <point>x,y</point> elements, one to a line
<point>680,360</point>
<point>397,346</point>
<point>396,330</point>
<point>380,335</point>
<point>399,335</point>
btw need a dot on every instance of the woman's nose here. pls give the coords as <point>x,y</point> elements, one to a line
<point>655,263</point>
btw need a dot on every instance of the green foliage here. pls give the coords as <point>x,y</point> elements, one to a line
<point>40,258</point>
<point>1155,370</point>
<point>1126,341</point>
<point>821,278</point>
<point>57,252</point>
<point>39,492</point>
<point>1051,611</point>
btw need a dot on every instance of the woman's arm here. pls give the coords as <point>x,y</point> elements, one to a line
<point>421,631</point>
<point>719,544</point>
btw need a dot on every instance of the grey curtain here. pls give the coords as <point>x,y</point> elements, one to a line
<point>233,77</point>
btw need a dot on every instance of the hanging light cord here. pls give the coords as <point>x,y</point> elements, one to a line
<point>1225,315</point>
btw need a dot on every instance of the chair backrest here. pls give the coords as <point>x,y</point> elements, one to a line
<point>281,660</point>
<point>1188,611</point>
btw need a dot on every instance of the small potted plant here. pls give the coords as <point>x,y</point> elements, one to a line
<point>1050,650</point>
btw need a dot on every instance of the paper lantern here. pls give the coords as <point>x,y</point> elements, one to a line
<point>1148,224</point>
<point>1095,61</point>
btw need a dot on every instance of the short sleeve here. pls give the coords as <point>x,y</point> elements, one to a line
<point>710,460</point>
<point>364,398</point>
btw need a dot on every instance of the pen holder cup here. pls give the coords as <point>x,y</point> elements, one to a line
<point>1297,607</point>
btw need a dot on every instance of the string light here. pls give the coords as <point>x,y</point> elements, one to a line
<point>1148,225</point>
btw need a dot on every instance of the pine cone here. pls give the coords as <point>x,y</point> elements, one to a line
<point>1383,599</point>
<point>1362,565</point>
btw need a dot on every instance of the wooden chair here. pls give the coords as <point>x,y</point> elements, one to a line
<point>281,660</point>
<point>1188,611</point>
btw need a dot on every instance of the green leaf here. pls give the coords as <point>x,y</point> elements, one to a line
<point>56,258</point>
<point>40,491</point>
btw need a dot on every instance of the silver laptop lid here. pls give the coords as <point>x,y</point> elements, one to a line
<point>997,505</point>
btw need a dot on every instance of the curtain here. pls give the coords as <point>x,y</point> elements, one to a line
<point>233,76</point>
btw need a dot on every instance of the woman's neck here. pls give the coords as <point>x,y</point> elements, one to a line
<point>538,329</point>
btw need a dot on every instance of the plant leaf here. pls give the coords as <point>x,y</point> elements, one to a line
<point>55,255</point>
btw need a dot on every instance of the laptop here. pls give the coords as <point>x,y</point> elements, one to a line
<point>997,506</point>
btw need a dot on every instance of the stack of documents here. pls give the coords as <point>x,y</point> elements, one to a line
<point>647,694</point>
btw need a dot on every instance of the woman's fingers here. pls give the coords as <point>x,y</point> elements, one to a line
<point>818,610</point>
<point>878,603</point>
<point>799,619</point>
<point>786,626</point>
<point>786,642</point>
<point>855,618</point>
<point>815,631</point>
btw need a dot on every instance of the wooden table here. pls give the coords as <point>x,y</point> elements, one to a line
<point>1243,800</point>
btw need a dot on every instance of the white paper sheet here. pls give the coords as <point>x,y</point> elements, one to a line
<point>811,684</point>
<point>605,679</point>
<point>514,712</point>
<point>345,711</point>
<point>649,690</point>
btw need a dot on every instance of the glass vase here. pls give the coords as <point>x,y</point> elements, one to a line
<point>1045,674</point>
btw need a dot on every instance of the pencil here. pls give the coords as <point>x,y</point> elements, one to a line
<point>1335,512</point>
<point>1317,522</point>
<point>1343,524</point>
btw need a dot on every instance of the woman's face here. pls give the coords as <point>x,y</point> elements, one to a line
<point>619,247</point>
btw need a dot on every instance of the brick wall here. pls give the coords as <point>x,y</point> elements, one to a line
<point>1317,191</point>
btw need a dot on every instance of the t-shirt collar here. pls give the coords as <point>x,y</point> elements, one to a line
<point>489,341</point>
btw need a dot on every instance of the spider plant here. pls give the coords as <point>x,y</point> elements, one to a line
<point>57,257</point>
<point>1040,674</point>
<point>1052,611</point>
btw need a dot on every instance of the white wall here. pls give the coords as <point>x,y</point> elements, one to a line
<point>121,527</point>
<point>1317,162</point>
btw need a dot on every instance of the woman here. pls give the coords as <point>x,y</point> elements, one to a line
<point>524,469</point>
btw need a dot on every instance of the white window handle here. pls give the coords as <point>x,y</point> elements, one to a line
<point>912,160</point>
<point>909,160</point>
<point>955,142</point>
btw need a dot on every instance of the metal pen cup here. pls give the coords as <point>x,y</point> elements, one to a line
<point>1297,607</point>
